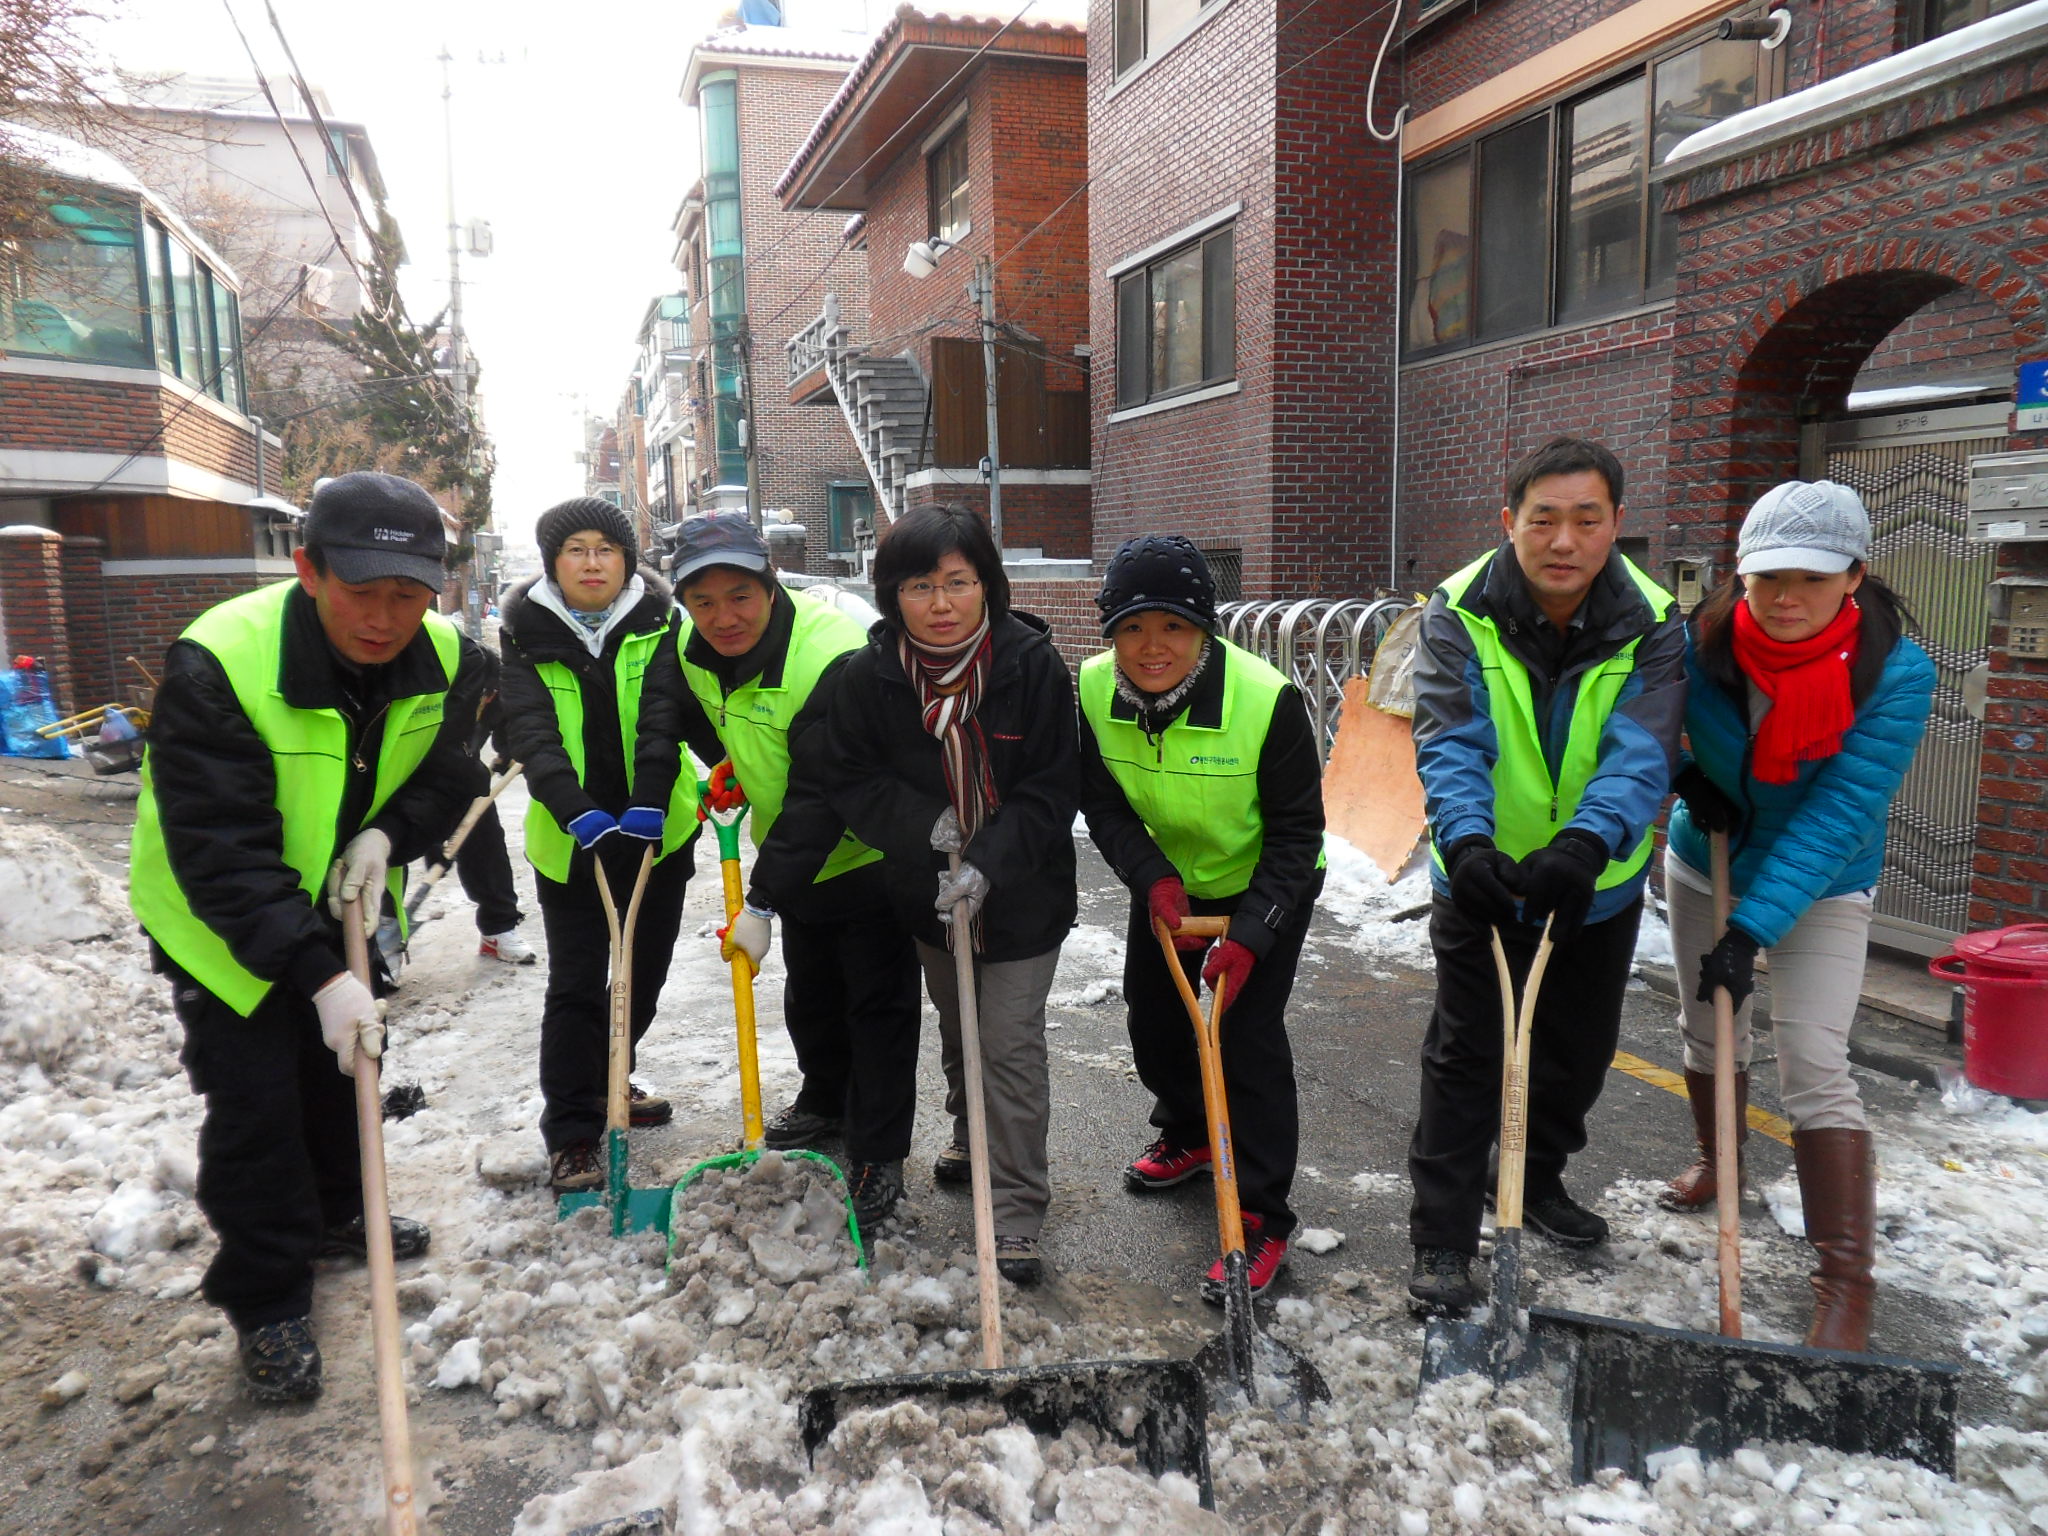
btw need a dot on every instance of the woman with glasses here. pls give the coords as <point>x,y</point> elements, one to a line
<point>577,641</point>
<point>952,731</point>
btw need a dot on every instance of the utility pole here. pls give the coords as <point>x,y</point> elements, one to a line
<point>983,291</point>
<point>458,359</point>
<point>746,346</point>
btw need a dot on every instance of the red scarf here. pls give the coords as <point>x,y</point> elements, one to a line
<point>1807,682</point>
<point>949,682</point>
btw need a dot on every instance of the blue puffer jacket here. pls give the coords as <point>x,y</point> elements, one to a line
<point>1823,834</point>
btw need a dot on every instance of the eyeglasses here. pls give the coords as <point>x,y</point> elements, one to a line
<point>924,591</point>
<point>591,551</point>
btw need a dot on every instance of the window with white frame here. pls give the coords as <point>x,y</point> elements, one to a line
<point>1176,321</point>
<point>946,187</point>
<point>1147,28</point>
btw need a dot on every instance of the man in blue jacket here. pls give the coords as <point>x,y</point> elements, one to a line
<point>1549,699</point>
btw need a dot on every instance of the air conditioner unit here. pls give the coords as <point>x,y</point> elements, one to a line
<point>477,237</point>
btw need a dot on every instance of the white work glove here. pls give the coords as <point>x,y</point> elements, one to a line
<point>360,872</point>
<point>966,884</point>
<point>946,833</point>
<point>349,1017</point>
<point>747,934</point>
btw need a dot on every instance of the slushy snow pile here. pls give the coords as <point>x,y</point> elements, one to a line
<point>681,1375</point>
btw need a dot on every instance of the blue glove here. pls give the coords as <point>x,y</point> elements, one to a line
<point>643,822</point>
<point>592,826</point>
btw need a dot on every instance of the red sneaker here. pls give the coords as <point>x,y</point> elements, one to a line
<point>1165,1164</point>
<point>1264,1259</point>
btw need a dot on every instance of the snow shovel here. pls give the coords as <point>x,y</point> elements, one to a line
<point>1637,1389</point>
<point>632,1210</point>
<point>1500,1347</point>
<point>726,826</point>
<point>399,1512</point>
<point>1156,1407</point>
<point>1243,1355</point>
<point>433,873</point>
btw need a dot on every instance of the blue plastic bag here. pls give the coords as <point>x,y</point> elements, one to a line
<point>25,707</point>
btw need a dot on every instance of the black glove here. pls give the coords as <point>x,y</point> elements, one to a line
<point>1557,882</point>
<point>1710,809</point>
<point>1731,964</point>
<point>1482,880</point>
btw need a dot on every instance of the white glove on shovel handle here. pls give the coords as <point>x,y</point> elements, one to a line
<point>360,871</point>
<point>350,1016</point>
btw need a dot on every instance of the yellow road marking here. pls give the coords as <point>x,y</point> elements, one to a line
<point>1773,1126</point>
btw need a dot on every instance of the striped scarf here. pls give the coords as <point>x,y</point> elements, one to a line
<point>949,683</point>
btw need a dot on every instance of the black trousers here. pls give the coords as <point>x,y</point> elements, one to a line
<point>575,1020</point>
<point>852,1004</point>
<point>1258,1062</point>
<point>278,1155</point>
<point>1571,1045</point>
<point>485,870</point>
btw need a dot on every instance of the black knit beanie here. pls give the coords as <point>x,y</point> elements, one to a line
<point>1157,570</point>
<point>577,514</point>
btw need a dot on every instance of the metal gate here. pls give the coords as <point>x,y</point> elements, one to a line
<point>1912,471</point>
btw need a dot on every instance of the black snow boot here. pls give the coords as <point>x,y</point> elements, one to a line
<point>281,1362</point>
<point>1441,1283</point>
<point>351,1240</point>
<point>875,1189</point>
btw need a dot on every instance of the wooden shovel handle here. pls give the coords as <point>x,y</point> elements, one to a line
<point>1209,1048</point>
<point>1727,1163</point>
<point>977,1131</point>
<point>399,1511</point>
<point>1203,927</point>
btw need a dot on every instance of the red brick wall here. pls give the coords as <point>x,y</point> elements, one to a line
<point>1069,607</point>
<point>90,616</point>
<point>1465,420</point>
<point>792,261</point>
<point>94,416</point>
<point>1051,518</point>
<point>32,607</point>
<point>1961,332</point>
<point>146,613</point>
<point>2010,866</point>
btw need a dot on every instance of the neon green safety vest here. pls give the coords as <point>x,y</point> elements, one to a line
<point>309,750</point>
<point>1528,805</point>
<point>753,721</point>
<point>548,845</point>
<point>1196,787</point>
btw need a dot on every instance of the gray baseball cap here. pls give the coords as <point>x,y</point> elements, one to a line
<point>1799,526</point>
<point>715,539</point>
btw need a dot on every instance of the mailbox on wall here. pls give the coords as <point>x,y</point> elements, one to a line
<point>2009,496</point>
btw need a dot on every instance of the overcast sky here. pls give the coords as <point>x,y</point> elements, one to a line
<point>569,138</point>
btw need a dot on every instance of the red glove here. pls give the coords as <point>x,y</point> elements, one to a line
<point>723,791</point>
<point>1231,962</point>
<point>1168,903</point>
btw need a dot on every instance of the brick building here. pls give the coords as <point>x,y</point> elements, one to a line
<point>964,138</point>
<point>132,480</point>
<point>755,273</point>
<point>1241,301</point>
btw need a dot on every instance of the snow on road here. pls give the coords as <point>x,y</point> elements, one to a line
<point>680,1388</point>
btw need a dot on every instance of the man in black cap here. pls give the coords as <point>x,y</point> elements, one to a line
<point>308,738</point>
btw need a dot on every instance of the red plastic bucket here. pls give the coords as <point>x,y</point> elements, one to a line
<point>2004,976</point>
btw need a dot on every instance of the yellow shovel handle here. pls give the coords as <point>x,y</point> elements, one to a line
<point>743,1016</point>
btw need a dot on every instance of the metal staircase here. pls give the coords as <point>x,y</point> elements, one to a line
<point>882,399</point>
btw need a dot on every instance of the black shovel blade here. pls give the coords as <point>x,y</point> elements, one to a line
<point>1637,1389</point>
<point>1454,1347</point>
<point>1283,1382</point>
<point>1159,1408</point>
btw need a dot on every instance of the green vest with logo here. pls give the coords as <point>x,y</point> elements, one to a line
<point>1528,804</point>
<point>753,721</point>
<point>549,846</point>
<point>309,751</point>
<point>1196,787</point>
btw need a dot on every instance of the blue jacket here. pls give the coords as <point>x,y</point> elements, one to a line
<point>1455,745</point>
<point>1823,834</point>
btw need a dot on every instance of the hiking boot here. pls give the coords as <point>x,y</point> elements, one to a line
<point>1565,1222</point>
<point>575,1167</point>
<point>1264,1257</point>
<point>644,1109</point>
<point>351,1240</point>
<point>1017,1260</point>
<point>1164,1164</point>
<point>508,947</point>
<point>1441,1283</point>
<point>281,1362</point>
<point>874,1189</point>
<point>796,1127</point>
<point>954,1165</point>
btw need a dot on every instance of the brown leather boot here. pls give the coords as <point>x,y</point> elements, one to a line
<point>1698,1185</point>
<point>1838,1188</point>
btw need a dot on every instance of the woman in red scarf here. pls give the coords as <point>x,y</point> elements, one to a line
<point>953,732</point>
<point>1807,703</point>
